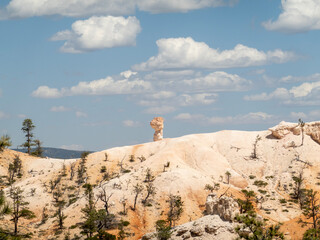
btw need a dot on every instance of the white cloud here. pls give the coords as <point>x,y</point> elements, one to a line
<point>130,123</point>
<point>279,93</point>
<point>106,86</point>
<point>179,53</point>
<point>46,92</point>
<point>74,147</point>
<point>197,99</point>
<point>135,83</point>
<point>305,94</point>
<point>215,82</point>
<point>74,8</point>
<point>160,110</point>
<point>311,78</point>
<point>161,95</point>
<point>81,114</point>
<point>296,16</point>
<point>160,6</point>
<point>305,89</point>
<point>250,118</point>
<point>80,8</point>
<point>99,32</point>
<point>109,86</point>
<point>189,117</point>
<point>59,109</point>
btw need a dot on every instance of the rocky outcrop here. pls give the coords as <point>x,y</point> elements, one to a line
<point>209,227</point>
<point>157,125</point>
<point>225,207</point>
<point>311,129</point>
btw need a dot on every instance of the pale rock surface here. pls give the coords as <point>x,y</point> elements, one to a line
<point>157,125</point>
<point>225,207</point>
<point>209,227</point>
<point>311,129</point>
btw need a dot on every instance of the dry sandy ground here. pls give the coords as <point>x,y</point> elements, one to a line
<point>195,160</point>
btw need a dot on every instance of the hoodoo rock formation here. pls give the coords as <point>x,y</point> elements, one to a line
<point>225,207</point>
<point>157,125</point>
<point>311,129</point>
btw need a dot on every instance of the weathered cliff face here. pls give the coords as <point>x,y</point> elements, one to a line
<point>225,207</point>
<point>311,129</point>
<point>157,125</point>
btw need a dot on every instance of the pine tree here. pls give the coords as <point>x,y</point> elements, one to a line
<point>59,203</point>
<point>175,209</point>
<point>19,207</point>
<point>5,142</point>
<point>27,128</point>
<point>38,150</point>
<point>89,226</point>
<point>82,169</point>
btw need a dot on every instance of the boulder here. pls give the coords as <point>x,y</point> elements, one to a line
<point>311,129</point>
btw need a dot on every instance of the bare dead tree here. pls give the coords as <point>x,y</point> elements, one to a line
<point>105,198</point>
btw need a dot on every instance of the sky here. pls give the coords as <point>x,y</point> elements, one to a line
<point>92,74</point>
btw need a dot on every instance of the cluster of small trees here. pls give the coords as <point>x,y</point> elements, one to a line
<point>27,128</point>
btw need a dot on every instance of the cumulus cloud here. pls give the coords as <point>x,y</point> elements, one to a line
<point>305,94</point>
<point>160,6</point>
<point>130,123</point>
<point>296,16</point>
<point>250,118</point>
<point>46,92</point>
<point>99,32</point>
<point>216,82</point>
<point>81,8</point>
<point>106,86</point>
<point>197,99</point>
<point>290,79</point>
<point>305,89</point>
<point>59,109</point>
<point>189,117</point>
<point>179,53</point>
<point>279,93</point>
<point>135,83</point>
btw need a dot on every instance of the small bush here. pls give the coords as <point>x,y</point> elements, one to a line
<point>103,169</point>
<point>282,201</point>
<point>260,183</point>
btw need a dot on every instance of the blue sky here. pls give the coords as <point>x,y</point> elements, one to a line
<point>92,74</point>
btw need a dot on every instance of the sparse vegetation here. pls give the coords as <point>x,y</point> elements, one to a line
<point>163,230</point>
<point>260,183</point>
<point>5,142</point>
<point>175,209</point>
<point>301,125</point>
<point>27,128</point>
<point>82,169</point>
<point>19,207</point>
<point>254,154</point>
<point>228,175</point>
